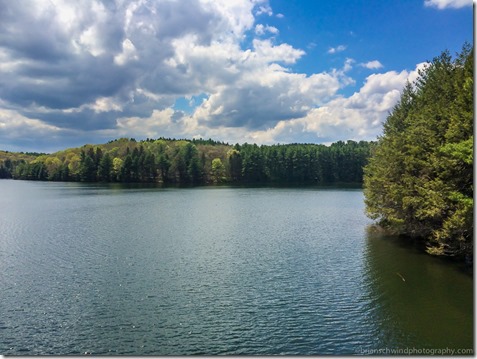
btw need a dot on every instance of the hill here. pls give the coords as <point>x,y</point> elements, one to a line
<point>193,162</point>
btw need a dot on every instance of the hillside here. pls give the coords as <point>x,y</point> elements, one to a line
<point>193,162</point>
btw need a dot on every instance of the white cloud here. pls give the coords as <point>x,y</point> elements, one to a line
<point>444,4</point>
<point>334,50</point>
<point>268,95</point>
<point>17,125</point>
<point>281,53</point>
<point>105,104</point>
<point>129,53</point>
<point>348,65</point>
<point>137,57</point>
<point>372,65</point>
<point>261,29</point>
<point>357,117</point>
<point>234,15</point>
<point>101,104</point>
<point>20,133</point>
<point>105,70</point>
<point>266,9</point>
<point>159,121</point>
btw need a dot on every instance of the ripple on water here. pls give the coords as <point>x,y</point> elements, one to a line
<point>176,272</point>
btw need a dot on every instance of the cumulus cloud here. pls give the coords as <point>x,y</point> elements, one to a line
<point>357,117</point>
<point>264,9</point>
<point>88,71</point>
<point>129,53</point>
<point>266,52</point>
<point>372,65</point>
<point>263,29</point>
<point>146,127</point>
<point>334,50</point>
<point>62,55</point>
<point>20,133</point>
<point>11,122</point>
<point>444,4</point>
<point>269,94</point>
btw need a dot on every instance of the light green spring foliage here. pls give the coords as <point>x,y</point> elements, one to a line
<point>419,179</point>
<point>194,162</point>
<point>218,171</point>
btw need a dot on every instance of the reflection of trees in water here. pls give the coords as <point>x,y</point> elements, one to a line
<point>417,300</point>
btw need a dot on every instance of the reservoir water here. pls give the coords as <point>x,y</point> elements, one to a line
<point>108,269</point>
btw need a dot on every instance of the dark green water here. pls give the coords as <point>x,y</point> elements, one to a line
<point>110,270</point>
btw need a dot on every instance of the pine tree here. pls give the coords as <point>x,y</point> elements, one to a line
<point>419,180</point>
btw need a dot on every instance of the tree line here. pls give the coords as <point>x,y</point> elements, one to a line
<point>419,179</point>
<point>195,162</point>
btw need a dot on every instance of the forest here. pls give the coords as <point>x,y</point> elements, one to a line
<point>419,179</point>
<point>194,162</point>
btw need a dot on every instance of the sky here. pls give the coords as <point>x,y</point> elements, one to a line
<point>256,71</point>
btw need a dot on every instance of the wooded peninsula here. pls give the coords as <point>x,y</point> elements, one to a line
<point>419,180</point>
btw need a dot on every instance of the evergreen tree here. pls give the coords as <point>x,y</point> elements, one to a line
<point>105,168</point>
<point>87,170</point>
<point>190,162</point>
<point>419,180</point>
<point>126,169</point>
<point>164,164</point>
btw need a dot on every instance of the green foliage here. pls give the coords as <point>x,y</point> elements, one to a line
<point>235,165</point>
<point>419,179</point>
<point>105,168</point>
<point>88,168</point>
<point>195,162</point>
<point>218,171</point>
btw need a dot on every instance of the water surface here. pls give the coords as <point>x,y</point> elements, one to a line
<point>106,269</point>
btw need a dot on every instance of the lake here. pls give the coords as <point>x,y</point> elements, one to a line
<point>109,269</point>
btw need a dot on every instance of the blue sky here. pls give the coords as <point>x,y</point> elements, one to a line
<point>257,71</point>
